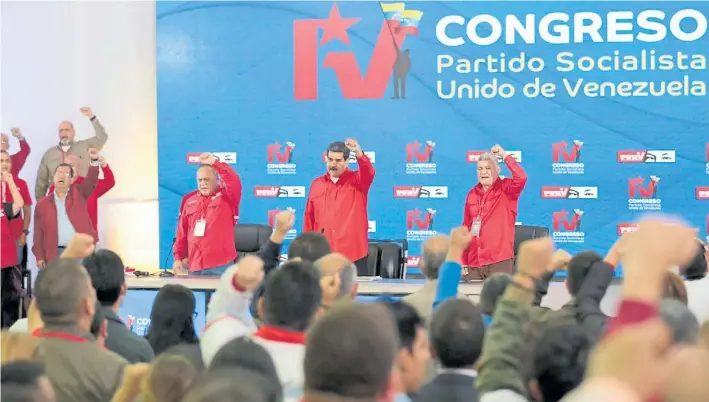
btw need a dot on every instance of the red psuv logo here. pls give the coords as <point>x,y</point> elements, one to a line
<point>562,153</point>
<point>419,220</point>
<point>702,193</point>
<point>279,154</point>
<point>638,188</point>
<point>344,64</point>
<point>624,228</point>
<point>562,221</point>
<point>414,154</point>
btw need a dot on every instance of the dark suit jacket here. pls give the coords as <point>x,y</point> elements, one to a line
<point>46,235</point>
<point>123,342</point>
<point>448,387</point>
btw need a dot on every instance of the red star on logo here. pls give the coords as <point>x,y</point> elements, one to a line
<point>335,27</point>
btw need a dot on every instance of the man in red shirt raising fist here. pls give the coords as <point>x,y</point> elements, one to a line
<point>490,214</point>
<point>337,203</point>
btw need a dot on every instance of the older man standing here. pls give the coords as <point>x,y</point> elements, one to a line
<point>67,145</point>
<point>205,230</point>
<point>490,214</point>
<point>64,212</point>
<point>18,159</point>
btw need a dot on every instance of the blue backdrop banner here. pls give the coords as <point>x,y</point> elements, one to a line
<point>603,103</point>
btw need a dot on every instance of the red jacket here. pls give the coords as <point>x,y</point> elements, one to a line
<point>8,245</point>
<point>45,216</point>
<point>216,247</point>
<point>18,160</point>
<point>17,224</point>
<point>102,187</point>
<point>498,211</point>
<point>339,210</point>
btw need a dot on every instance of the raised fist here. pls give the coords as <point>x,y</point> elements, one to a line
<point>461,237</point>
<point>560,261</point>
<point>207,158</point>
<point>93,154</point>
<point>102,161</point>
<point>353,146</point>
<point>284,221</point>
<point>16,133</point>
<point>250,274</point>
<point>86,111</point>
<point>497,150</point>
<point>80,246</point>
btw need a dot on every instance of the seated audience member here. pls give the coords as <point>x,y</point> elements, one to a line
<point>25,381</point>
<point>61,214</point>
<point>78,368</point>
<point>233,384</point>
<point>170,379</point>
<point>172,318</point>
<point>98,327</point>
<point>103,185</point>
<point>456,335</point>
<point>292,297</point>
<point>433,254</point>
<point>340,371</point>
<point>678,317</point>
<point>108,278</point>
<point>18,346</point>
<point>494,287</point>
<point>338,264</point>
<point>309,246</point>
<point>414,353</point>
<point>190,351</point>
<point>54,156</point>
<point>246,354</point>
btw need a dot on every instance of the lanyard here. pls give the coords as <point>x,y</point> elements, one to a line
<point>203,206</point>
<point>59,335</point>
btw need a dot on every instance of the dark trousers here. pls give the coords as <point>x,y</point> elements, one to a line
<point>361,265</point>
<point>481,273</point>
<point>11,294</point>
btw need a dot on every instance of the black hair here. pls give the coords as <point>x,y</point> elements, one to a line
<point>309,246</point>
<point>697,268</point>
<point>244,353</point>
<point>408,322</point>
<point>578,269</point>
<point>172,318</point>
<point>234,384</point>
<point>97,321</point>
<point>494,287</point>
<point>21,372</point>
<point>189,351</point>
<point>107,274</point>
<point>560,359</point>
<point>457,331</point>
<point>292,295</point>
<point>339,146</point>
<point>71,168</point>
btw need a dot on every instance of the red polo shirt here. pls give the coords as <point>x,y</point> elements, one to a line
<point>16,225</point>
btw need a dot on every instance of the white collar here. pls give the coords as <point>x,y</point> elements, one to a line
<point>468,372</point>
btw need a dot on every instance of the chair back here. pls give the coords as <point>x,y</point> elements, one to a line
<point>249,237</point>
<point>524,233</point>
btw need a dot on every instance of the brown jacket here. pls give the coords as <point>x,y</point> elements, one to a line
<point>55,156</point>
<point>77,367</point>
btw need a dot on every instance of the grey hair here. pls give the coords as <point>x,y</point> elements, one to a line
<point>487,156</point>
<point>681,320</point>
<point>431,262</point>
<point>348,279</point>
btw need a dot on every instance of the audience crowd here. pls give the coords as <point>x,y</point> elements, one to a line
<point>294,331</point>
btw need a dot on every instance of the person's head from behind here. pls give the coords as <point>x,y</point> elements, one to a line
<point>697,268</point>
<point>107,274</point>
<point>189,351</point>
<point>5,161</point>
<point>456,334</point>
<point>244,353</point>
<point>674,288</point>
<point>66,133</point>
<point>488,169</point>
<point>338,264</point>
<point>341,369</point>
<point>681,320</point>
<point>25,381</point>
<point>292,296</point>
<point>578,269</point>
<point>337,157</point>
<point>99,326</point>
<point>231,384</point>
<point>414,352</point>
<point>172,318</point>
<point>494,287</point>
<point>170,378</point>
<point>207,179</point>
<point>559,362</point>
<point>433,254</point>
<point>63,176</point>
<point>65,295</point>
<point>309,246</point>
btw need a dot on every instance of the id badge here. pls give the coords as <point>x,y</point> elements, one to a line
<point>199,228</point>
<point>475,227</point>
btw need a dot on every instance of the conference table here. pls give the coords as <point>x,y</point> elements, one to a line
<point>138,301</point>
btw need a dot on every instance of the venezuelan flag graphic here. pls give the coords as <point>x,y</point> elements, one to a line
<point>393,11</point>
<point>410,20</point>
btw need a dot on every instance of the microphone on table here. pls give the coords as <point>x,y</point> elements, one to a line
<point>164,273</point>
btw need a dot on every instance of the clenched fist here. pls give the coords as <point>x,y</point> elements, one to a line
<point>80,246</point>
<point>93,154</point>
<point>250,274</point>
<point>353,146</point>
<point>284,221</point>
<point>207,159</point>
<point>86,111</point>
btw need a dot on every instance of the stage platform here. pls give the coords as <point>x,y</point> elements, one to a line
<point>367,287</point>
